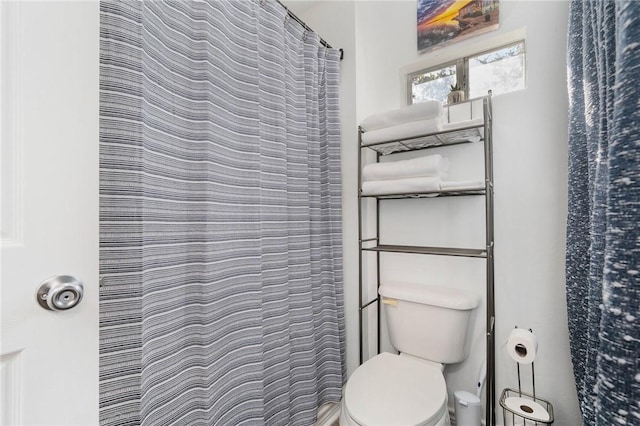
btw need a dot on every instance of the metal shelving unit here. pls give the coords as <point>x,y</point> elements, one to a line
<point>483,133</point>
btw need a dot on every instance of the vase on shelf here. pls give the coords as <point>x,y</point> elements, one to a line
<point>455,96</point>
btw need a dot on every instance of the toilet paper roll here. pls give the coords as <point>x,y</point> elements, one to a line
<point>527,408</point>
<point>522,346</point>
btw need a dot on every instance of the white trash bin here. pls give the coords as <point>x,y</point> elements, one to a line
<point>468,409</point>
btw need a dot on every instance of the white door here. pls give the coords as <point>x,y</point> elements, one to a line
<point>49,171</point>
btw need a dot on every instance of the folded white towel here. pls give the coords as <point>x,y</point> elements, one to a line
<point>402,131</point>
<point>461,185</point>
<point>430,165</point>
<point>462,124</point>
<point>401,186</point>
<point>415,112</point>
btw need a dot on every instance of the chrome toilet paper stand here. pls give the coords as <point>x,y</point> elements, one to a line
<point>521,417</point>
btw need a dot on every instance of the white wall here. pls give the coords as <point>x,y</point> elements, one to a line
<point>530,161</point>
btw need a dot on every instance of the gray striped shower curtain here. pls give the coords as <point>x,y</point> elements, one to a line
<point>221,299</point>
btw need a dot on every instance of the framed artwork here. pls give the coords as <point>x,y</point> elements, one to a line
<point>442,22</point>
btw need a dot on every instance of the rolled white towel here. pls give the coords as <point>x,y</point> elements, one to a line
<point>401,186</point>
<point>462,185</point>
<point>430,165</point>
<point>462,124</point>
<point>415,112</point>
<point>402,131</point>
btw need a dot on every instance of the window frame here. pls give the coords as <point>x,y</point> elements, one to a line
<point>462,69</point>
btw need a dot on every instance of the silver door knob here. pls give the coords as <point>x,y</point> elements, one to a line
<point>60,293</point>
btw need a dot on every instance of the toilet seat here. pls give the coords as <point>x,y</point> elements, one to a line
<point>394,390</point>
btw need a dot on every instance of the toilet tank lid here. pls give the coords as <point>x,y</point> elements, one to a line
<point>446,297</point>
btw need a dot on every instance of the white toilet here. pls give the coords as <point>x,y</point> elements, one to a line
<point>429,326</point>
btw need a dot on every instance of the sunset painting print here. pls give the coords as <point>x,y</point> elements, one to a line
<point>441,22</point>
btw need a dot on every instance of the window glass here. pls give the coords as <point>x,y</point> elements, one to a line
<point>433,84</point>
<point>501,71</point>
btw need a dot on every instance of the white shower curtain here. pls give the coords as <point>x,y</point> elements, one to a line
<point>221,300</point>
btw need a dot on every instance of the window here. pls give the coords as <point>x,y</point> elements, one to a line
<point>433,84</point>
<point>501,70</point>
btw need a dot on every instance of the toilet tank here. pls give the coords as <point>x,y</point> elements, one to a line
<point>429,322</point>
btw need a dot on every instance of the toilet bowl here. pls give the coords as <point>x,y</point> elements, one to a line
<point>395,390</point>
<point>429,326</point>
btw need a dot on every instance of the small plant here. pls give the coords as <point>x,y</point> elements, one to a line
<point>455,95</point>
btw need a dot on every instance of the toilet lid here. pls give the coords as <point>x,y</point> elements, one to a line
<point>394,390</point>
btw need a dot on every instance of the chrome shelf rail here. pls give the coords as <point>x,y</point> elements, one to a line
<point>436,251</point>
<point>463,135</point>
<point>434,194</point>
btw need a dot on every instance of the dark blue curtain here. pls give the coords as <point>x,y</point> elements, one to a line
<point>603,229</point>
